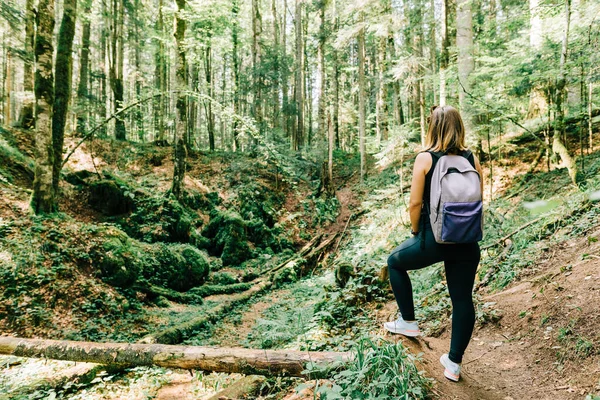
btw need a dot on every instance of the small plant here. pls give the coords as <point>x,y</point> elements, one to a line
<point>379,370</point>
<point>584,347</point>
<point>545,319</point>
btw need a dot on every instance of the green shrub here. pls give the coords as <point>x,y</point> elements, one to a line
<point>379,370</point>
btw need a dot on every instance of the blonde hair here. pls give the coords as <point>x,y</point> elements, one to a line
<point>446,130</point>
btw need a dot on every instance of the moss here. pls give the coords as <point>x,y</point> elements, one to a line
<point>110,198</point>
<point>288,274</point>
<point>160,219</point>
<point>118,258</point>
<point>179,267</point>
<point>227,231</point>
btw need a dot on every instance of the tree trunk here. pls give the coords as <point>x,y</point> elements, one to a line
<point>322,130</point>
<point>464,42</point>
<point>84,64</point>
<point>139,119</point>
<point>27,121</point>
<point>180,151</point>
<point>285,115</point>
<point>229,360</point>
<point>235,9</point>
<point>160,77</point>
<point>256,57</point>
<point>43,197</point>
<point>210,86</point>
<point>381,112</point>
<point>336,81</point>
<point>558,146</point>
<point>103,69</point>
<point>298,138</point>
<point>276,66</point>
<point>445,55</point>
<point>62,85</point>
<point>361,99</point>
<point>116,65</point>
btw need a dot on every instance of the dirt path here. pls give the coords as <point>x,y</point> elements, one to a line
<point>547,344</point>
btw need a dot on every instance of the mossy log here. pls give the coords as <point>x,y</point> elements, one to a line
<point>244,388</point>
<point>180,332</point>
<point>155,291</point>
<point>229,360</point>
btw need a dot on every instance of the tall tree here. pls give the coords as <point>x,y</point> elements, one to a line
<point>445,54</point>
<point>322,80</point>
<point>558,146</point>
<point>43,199</point>
<point>180,153</point>
<point>160,76</point>
<point>361,98</point>
<point>298,136</point>
<point>84,64</point>
<point>62,85</point>
<point>466,64</point>
<point>235,10</point>
<point>27,120</point>
<point>256,58</point>
<point>116,64</point>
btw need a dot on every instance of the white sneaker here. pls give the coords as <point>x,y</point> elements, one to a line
<point>452,369</point>
<point>402,327</point>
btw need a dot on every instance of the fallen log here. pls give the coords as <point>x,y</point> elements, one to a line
<point>229,360</point>
<point>245,388</point>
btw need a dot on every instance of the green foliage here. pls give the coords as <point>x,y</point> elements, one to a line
<point>227,231</point>
<point>14,164</point>
<point>323,210</point>
<point>176,266</point>
<point>118,258</point>
<point>379,370</point>
<point>209,290</point>
<point>160,219</point>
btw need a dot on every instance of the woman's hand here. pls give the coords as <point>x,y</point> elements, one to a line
<point>422,165</point>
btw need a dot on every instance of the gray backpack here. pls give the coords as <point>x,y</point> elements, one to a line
<point>456,207</point>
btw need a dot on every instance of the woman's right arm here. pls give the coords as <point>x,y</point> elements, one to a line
<point>422,165</point>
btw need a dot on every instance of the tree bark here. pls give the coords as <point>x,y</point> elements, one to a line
<point>116,65</point>
<point>361,99</point>
<point>235,9</point>
<point>336,81</point>
<point>180,151</point>
<point>256,57</point>
<point>229,360</point>
<point>62,85</point>
<point>210,86</point>
<point>445,55</point>
<point>43,198</point>
<point>298,137</point>
<point>84,65</point>
<point>27,121</point>
<point>464,42</point>
<point>322,130</point>
<point>558,146</point>
<point>160,77</point>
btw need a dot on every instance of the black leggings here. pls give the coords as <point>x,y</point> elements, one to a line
<point>460,261</point>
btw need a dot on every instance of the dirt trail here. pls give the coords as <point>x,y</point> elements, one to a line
<point>547,344</point>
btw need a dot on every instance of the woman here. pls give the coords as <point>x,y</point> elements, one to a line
<point>446,134</point>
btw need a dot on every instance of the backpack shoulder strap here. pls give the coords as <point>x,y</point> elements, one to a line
<point>468,154</point>
<point>435,157</point>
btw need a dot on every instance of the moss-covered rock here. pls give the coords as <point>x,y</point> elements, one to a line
<point>118,258</point>
<point>179,267</point>
<point>227,231</point>
<point>110,198</point>
<point>160,219</point>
